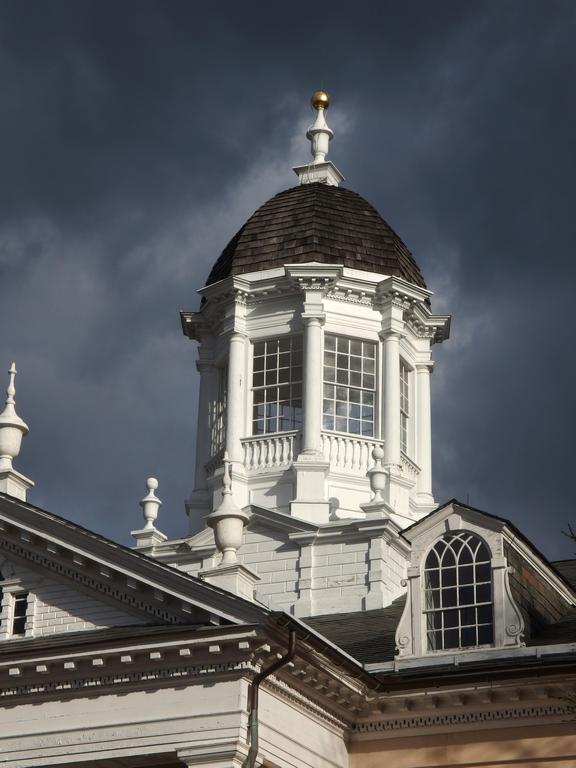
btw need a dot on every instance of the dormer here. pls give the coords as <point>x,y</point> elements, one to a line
<point>467,585</point>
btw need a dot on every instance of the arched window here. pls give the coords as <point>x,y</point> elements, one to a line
<point>458,593</point>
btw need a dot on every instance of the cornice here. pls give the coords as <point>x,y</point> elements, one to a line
<point>313,682</point>
<point>442,706</point>
<point>426,722</point>
<point>131,665</point>
<point>196,657</point>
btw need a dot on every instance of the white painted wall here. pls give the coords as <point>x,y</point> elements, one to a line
<point>55,607</point>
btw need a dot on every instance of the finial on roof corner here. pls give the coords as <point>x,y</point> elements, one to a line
<point>149,536</point>
<point>12,430</point>
<point>150,503</point>
<point>319,134</point>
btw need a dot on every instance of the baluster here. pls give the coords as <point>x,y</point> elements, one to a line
<point>349,452</point>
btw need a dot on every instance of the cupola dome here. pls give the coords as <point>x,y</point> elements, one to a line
<point>317,223</point>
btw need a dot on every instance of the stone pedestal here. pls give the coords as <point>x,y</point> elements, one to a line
<point>148,537</point>
<point>14,483</point>
<point>310,503</point>
<point>235,578</point>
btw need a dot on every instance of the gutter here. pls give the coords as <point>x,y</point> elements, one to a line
<point>476,659</point>
<point>253,698</point>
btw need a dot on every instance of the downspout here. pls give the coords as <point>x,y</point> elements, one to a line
<point>253,698</point>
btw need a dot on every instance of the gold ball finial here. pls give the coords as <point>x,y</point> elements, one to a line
<point>320,99</point>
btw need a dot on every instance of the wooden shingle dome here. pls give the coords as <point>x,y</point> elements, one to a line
<point>317,222</point>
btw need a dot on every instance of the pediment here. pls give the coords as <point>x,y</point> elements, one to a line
<point>452,516</point>
<point>500,535</point>
<point>139,587</point>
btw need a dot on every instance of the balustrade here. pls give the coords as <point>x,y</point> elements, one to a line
<point>270,451</point>
<point>409,468</point>
<point>348,453</point>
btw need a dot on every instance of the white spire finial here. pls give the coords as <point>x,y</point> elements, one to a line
<point>11,391</point>
<point>320,135</point>
<point>12,430</point>
<point>150,504</point>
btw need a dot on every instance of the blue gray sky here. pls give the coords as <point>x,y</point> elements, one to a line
<point>137,136</point>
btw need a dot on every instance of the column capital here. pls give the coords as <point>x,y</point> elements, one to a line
<point>424,367</point>
<point>234,335</point>
<point>391,334</point>
<point>311,318</point>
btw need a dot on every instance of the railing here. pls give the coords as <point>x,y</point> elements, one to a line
<point>349,454</point>
<point>214,462</point>
<point>271,451</point>
<point>409,468</point>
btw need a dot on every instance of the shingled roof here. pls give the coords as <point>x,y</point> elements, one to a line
<point>317,222</point>
<point>369,636</point>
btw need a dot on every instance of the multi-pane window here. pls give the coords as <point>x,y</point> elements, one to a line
<point>349,385</point>
<point>218,412</point>
<point>458,593</point>
<point>404,405</point>
<point>19,608</point>
<point>277,385</point>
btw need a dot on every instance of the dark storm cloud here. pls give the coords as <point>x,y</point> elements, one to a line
<point>136,137</point>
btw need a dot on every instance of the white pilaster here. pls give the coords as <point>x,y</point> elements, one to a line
<point>311,468</point>
<point>424,432</point>
<point>312,423</point>
<point>391,429</point>
<point>236,397</point>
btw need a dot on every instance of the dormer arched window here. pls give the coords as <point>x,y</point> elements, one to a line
<point>458,594</point>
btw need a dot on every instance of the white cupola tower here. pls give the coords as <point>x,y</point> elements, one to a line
<point>314,353</point>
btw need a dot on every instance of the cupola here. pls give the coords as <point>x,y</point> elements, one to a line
<point>314,352</point>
